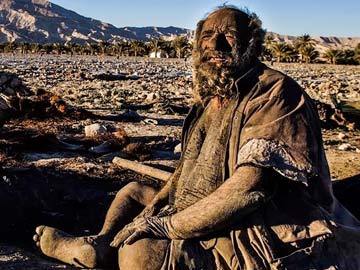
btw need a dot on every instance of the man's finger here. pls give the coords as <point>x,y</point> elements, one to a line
<point>134,237</point>
<point>121,237</point>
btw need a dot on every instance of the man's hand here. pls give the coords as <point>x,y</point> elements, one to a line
<point>149,211</point>
<point>132,232</point>
<point>141,228</point>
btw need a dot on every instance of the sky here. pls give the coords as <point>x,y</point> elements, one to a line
<point>339,18</point>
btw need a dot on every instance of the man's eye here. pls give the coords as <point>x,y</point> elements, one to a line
<point>206,36</point>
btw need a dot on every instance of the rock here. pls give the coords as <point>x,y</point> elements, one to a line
<point>177,149</point>
<point>345,147</point>
<point>95,130</point>
<point>150,121</point>
<point>341,136</point>
<point>151,97</point>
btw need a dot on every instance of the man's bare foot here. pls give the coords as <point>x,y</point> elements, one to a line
<point>84,252</point>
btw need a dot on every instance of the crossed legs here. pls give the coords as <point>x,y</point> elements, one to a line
<point>94,251</point>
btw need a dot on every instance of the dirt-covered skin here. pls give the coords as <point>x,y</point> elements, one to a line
<point>166,79</point>
<point>198,218</point>
<point>95,251</point>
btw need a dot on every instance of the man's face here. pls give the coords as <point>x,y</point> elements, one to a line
<point>218,57</point>
<point>220,37</point>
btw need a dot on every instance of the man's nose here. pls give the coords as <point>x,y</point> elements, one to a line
<point>220,43</point>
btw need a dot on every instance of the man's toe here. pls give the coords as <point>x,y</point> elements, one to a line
<point>36,238</point>
<point>39,230</point>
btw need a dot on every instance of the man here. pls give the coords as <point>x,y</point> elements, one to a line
<point>252,190</point>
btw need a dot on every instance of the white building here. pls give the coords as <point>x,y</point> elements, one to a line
<point>159,54</point>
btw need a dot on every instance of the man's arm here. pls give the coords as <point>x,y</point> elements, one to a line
<point>236,197</point>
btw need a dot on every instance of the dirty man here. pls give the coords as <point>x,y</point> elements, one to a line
<point>252,190</point>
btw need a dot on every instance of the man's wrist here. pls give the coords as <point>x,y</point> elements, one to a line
<point>161,227</point>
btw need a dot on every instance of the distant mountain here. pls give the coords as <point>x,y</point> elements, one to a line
<point>44,22</point>
<point>322,43</point>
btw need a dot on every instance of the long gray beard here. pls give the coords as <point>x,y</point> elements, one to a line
<point>210,80</point>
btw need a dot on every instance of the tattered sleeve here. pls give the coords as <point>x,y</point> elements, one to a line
<point>281,131</point>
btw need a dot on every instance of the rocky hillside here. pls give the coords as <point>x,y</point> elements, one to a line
<point>322,43</point>
<point>44,22</point>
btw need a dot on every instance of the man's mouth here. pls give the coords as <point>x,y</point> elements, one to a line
<point>217,59</point>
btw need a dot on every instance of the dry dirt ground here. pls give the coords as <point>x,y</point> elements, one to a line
<point>52,174</point>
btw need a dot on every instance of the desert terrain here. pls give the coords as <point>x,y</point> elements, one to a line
<point>57,165</point>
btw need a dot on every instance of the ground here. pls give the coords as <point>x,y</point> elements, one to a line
<point>53,174</point>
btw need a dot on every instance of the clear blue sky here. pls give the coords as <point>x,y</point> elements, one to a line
<point>293,17</point>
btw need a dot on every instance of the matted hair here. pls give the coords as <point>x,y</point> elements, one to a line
<point>256,32</point>
<point>250,51</point>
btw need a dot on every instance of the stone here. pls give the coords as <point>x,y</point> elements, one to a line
<point>151,97</point>
<point>150,121</point>
<point>177,149</point>
<point>95,130</point>
<point>341,136</point>
<point>345,147</point>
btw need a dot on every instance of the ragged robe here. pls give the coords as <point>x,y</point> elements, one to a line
<point>275,125</point>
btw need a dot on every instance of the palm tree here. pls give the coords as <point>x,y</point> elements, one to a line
<point>103,46</point>
<point>25,47</point>
<point>137,47</point>
<point>2,47</point>
<point>348,57</point>
<point>180,45</point>
<point>35,47</point>
<point>357,53</point>
<point>48,48</point>
<point>268,42</point>
<point>283,52</point>
<point>84,49</point>
<point>59,48</point>
<point>71,48</point>
<point>302,42</point>
<point>156,45</point>
<point>10,47</point>
<point>308,53</point>
<point>120,47</point>
<point>333,56</point>
<point>93,48</point>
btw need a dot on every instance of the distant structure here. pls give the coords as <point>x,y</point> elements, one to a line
<point>158,54</point>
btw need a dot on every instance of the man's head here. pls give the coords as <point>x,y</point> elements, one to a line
<point>227,43</point>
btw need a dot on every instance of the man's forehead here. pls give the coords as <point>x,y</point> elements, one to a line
<point>225,18</point>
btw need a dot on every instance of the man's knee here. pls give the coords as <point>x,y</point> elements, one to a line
<point>145,254</point>
<point>138,192</point>
<point>129,189</point>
